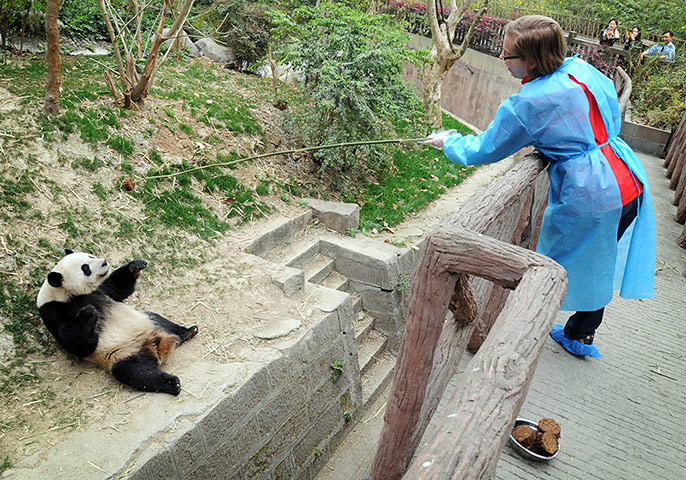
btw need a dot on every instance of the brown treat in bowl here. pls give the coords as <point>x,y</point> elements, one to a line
<point>524,435</point>
<point>548,425</point>
<point>548,444</point>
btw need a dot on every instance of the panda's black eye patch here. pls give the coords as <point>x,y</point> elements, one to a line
<point>86,269</point>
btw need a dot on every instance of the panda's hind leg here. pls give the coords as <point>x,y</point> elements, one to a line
<point>142,372</point>
<point>168,326</point>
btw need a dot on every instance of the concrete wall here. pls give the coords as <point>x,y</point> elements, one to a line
<point>645,139</point>
<point>280,422</point>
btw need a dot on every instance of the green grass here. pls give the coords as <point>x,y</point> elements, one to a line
<point>208,102</point>
<point>179,206</point>
<point>12,195</point>
<point>18,307</point>
<point>121,145</point>
<point>89,165</point>
<point>415,178</point>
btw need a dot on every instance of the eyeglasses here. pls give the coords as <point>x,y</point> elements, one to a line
<point>508,57</point>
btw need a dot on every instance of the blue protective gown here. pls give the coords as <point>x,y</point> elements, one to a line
<point>579,228</point>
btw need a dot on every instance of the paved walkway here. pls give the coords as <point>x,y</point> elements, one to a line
<point>622,417</point>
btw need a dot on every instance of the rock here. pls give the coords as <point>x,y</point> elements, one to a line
<point>94,52</point>
<point>290,280</point>
<point>337,216</point>
<point>186,42</point>
<point>214,51</point>
<point>277,329</point>
<point>284,73</point>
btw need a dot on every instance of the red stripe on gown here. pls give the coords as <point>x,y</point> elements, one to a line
<point>628,189</point>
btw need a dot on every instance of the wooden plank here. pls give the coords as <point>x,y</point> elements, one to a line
<point>681,184</point>
<point>675,166</point>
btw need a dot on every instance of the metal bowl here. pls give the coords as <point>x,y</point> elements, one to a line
<point>525,452</point>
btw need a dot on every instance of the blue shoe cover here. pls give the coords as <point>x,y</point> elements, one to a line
<point>573,346</point>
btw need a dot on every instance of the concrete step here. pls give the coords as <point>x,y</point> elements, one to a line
<point>295,253</point>
<point>377,378</point>
<point>370,349</point>
<point>318,268</point>
<point>357,302</point>
<point>298,254</point>
<point>363,324</point>
<point>336,281</point>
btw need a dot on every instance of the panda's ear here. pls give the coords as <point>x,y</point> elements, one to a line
<point>68,252</point>
<point>55,279</point>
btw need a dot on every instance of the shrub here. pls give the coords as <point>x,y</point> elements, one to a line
<point>351,70</point>
<point>245,28</point>
<point>659,92</point>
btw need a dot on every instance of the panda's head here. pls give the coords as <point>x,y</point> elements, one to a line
<point>77,273</point>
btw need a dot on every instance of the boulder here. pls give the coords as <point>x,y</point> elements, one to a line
<point>211,49</point>
<point>186,42</point>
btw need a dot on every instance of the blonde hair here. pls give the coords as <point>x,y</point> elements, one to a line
<point>539,39</point>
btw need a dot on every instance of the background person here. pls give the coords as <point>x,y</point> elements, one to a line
<point>633,38</point>
<point>599,192</point>
<point>610,35</point>
<point>664,49</point>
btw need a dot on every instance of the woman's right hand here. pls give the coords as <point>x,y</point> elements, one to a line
<point>438,139</point>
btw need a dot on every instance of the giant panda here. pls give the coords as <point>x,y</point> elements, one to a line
<point>81,305</point>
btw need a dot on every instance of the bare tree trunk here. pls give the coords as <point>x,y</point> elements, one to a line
<point>23,25</point>
<point>52,97</point>
<point>139,18</point>
<point>444,54</point>
<point>115,46</point>
<point>140,90</point>
<point>433,75</point>
<point>176,26</point>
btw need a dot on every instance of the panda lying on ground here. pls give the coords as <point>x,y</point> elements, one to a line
<point>81,305</point>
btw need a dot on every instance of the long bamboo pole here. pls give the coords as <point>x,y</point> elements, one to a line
<point>284,152</point>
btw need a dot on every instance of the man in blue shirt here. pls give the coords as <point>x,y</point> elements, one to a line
<point>665,50</point>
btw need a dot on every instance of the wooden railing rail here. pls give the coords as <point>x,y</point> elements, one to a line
<point>675,163</point>
<point>470,265</point>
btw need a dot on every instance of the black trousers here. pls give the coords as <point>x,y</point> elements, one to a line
<point>582,324</point>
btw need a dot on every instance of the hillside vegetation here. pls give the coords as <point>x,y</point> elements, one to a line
<point>80,181</point>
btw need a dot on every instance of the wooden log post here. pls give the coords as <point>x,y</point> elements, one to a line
<point>679,139</point>
<point>479,416</point>
<point>678,164</point>
<point>495,211</point>
<point>450,252</point>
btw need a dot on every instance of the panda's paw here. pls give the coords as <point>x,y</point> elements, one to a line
<point>136,266</point>
<point>188,334</point>
<point>87,313</point>
<point>173,385</point>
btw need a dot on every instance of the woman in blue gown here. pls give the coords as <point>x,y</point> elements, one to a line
<point>599,222</point>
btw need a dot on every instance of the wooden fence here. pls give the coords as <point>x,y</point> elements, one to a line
<point>587,27</point>
<point>477,265</point>
<point>675,163</point>
<point>413,13</point>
